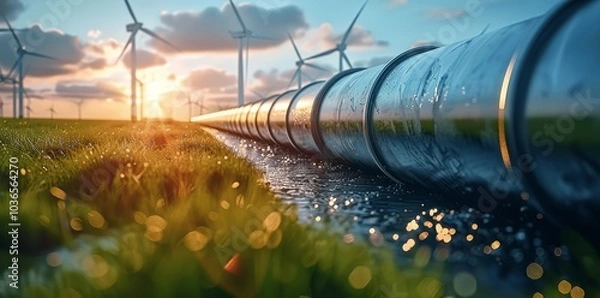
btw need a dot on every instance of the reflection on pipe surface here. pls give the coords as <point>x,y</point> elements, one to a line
<point>508,112</point>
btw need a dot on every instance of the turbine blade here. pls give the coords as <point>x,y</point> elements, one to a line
<point>321,54</point>
<point>26,94</point>
<point>308,77</point>
<point>260,37</point>
<point>12,31</point>
<point>316,67</point>
<point>131,11</point>
<point>485,29</point>
<point>347,34</point>
<point>294,77</point>
<point>125,47</point>
<point>237,14</point>
<point>257,94</point>
<point>151,33</point>
<point>39,55</point>
<point>14,67</point>
<point>295,47</point>
<point>346,59</point>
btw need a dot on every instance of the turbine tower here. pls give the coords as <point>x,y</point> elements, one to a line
<point>244,36</point>
<point>18,65</point>
<point>142,97</point>
<point>1,107</point>
<point>301,62</point>
<point>341,47</point>
<point>134,28</point>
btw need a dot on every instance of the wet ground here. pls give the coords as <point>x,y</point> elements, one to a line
<point>511,252</point>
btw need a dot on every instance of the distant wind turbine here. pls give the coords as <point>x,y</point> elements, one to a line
<point>191,103</point>
<point>79,104</point>
<point>244,36</point>
<point>29,110</point>
<point>341,47</point>
<point>12,81</point>
<point>18,65</point>
<point>1,107</point>
<point>301,62</point>
<point>52,110</point>
<point>134,28</point>
<point>259,95</point>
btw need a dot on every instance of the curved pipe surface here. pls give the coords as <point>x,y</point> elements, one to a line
<point>510,111</point>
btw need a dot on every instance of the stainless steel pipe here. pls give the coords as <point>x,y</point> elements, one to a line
<point>278,119</point>
<point>507,112</point>
<point>300,124</point>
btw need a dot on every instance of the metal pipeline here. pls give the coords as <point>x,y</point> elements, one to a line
<point>299,118</point>
<point>506,112</point>
<point>278,119</point>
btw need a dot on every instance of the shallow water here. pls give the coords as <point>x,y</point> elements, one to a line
<point>480,253</point>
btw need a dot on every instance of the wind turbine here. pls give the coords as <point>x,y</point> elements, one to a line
<point>79,104</point>
<point>341,47</point>
<point>244,36</point>
<point>18,65</point>
<point>301,62</point>
<point>134,28</point>
<point>259,95</point>
<point>29,110</point>
<point>190,103</point>
<point>200,103</point>
<point>1,107</point>
<point>52,110</point>
<point>12,81</point>
<point>28,106</point>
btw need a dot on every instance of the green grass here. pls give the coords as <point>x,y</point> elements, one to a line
<point>113,209</point>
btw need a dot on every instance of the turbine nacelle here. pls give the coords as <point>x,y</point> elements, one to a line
<point>240,34</point>
<point>134,27</point>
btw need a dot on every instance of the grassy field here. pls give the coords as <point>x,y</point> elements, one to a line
<point>113,209</point>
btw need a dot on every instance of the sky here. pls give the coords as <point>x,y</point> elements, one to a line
<point>87,36</point>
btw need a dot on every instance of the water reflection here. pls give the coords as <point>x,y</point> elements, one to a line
<point>514,249</point>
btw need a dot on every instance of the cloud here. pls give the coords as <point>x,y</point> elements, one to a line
<point>208,30</point>
<point>95,34</point>
<point>209,79</point>
<point>445,13</point>
<point>89,90</point>
<point>103,46</point>
<point>145,59</point>
<point>96,64</point>
<point>220,102</point>
<point>67,49</point>
<point>11,8</point>
<point>276,81</point>
<point>359,37</point>
<point>398,2</point>
<point>373,61</point>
